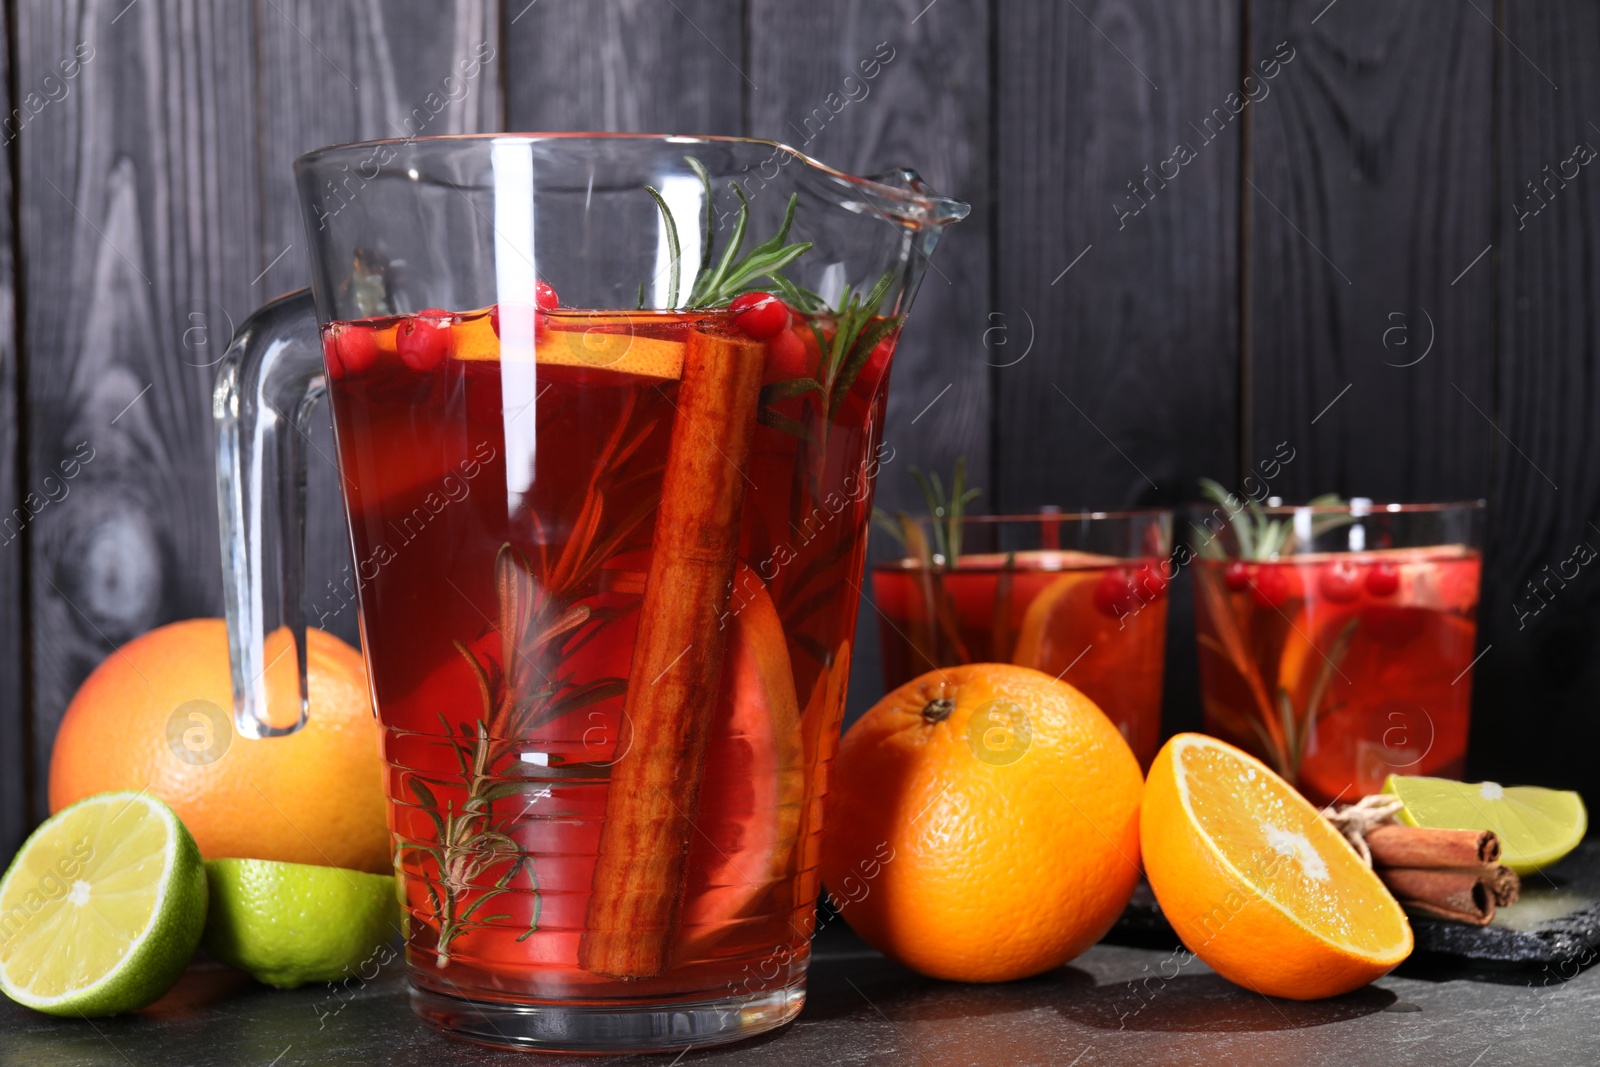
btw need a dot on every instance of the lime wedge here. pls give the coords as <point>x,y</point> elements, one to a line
<point>291,923</point>
<point>1536,826</point>
<point>102,908</point>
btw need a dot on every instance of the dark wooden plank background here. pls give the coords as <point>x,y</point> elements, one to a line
<point>16,744</point>
<point>1102,332</point>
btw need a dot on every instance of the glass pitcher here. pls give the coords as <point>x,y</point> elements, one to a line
<point>609,412</point>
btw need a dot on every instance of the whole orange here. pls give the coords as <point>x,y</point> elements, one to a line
<point>157,713</point>
<point>983,824</point>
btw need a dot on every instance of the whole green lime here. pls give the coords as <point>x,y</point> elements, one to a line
<point>287,924</point>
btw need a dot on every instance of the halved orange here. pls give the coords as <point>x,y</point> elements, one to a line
<point>1256,883</point>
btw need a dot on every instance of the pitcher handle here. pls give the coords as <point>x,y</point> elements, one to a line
<point>270,379</point>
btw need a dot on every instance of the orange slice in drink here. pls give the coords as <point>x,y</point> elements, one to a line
<point>752,795</point>
<point>1053,632</point>
<point>1256,883</point>
<point>598,341</point>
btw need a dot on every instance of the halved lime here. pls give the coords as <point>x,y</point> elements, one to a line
<point>102,908</point>
<point>1536,826</point>
<point>292,923</point>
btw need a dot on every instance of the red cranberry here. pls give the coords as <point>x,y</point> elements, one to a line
<point>544,295</point>
<point>1383,579</point>
<point>1114,595</point>
<point>423,340</point>
<point>357,346</point>
<point>1149,583</point>
<point>1269,586</point>
<point>786,357</point>
<point>1237,576</point>
<point>330,356</point>
<point>759,316</point>
<point>494,319</point>
<point>1340,581</point>
<point>877,364</point>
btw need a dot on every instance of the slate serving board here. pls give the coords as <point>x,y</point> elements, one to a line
<point>1555,926</point>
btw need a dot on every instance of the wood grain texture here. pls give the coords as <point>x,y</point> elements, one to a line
<point>137,209</point>
<point>1369,196</point>
<point>167,167</point>
<point>15,749</point>
<point>1128,394</point>
<point>410,69</point>
<point>633,65</point>
<point>1128,290</point>
<point>1534,717</point>
<point>928,109</point>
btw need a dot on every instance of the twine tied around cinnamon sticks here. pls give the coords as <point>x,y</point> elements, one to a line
<point>1447,874</point>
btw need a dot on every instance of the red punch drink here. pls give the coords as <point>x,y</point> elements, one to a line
<point>1341,668</point>
<point>506,544</point>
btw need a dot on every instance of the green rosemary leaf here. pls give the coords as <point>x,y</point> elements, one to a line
<point>764,266</point>
<point>959,498</point>
<point>865,342</point>
<point>501,790</point>
<point>876,294</point>
<point>438,858</point>
<point>1321,524</point>
<point>461,757</point>
<point>803,300</point>
<point>711,284</point>
<point>571,619</point>
<point>538,904</point>
<point>492,843</point>
<point>773,392</point>
<point>581,697</point>
<point>1244,529</point>
<point>700,171</point>
<point>775,242</point>
<point>671,226</point>
<point>933,492</point>
<point>843,334</point>
<point>783,423</point>
<point>408,846</point>
<point>822,346</point>
<point>423,793</point>
<point>484,897</point>
<point>890,525</point>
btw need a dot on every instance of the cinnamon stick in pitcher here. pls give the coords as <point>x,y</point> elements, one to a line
<point>636,894</point>
<point>1416,846</point>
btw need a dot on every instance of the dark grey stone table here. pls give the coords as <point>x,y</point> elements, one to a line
<point>1111,1005</point>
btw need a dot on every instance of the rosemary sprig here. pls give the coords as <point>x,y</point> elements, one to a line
<point>936,635</point>
<point>475,856</point>
<point>1261,537</point>
<point>717,285</point>
<point>945,514</point>
<point>858,332</point>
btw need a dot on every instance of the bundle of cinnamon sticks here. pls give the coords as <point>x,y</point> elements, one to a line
<point>1447,874</point>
